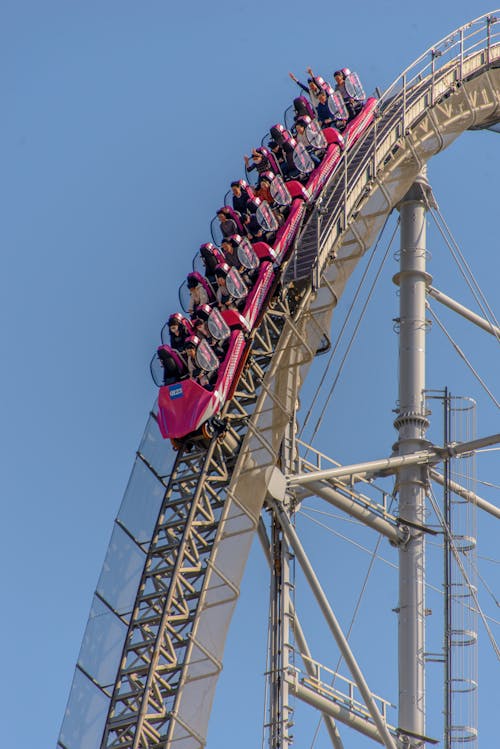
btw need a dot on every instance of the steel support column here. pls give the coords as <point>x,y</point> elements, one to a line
<point>385,737</point>
<point>302,645</point>
<point>280,711</point>
<point>411,424</point>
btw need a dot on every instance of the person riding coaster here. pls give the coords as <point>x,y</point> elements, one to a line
<point>309,134</point>
<point>230,221</point>
<point>299,163</point>
<point>264,160</point>
<point>231,289</point>
<point>315,84</point>
<point>348,85</point>
<point>219,322</point>
<point>211,326</point>
<point>244,258</point>
<point>194,291</point>
<point>303,108</point>
<point>167,366</point>
<point>202,362</point>
<point>241,194</point>
<point>283,193</point>
<point>178,328</point>
<point>206,260</point>
<point>324,86</point>
<point>261,223</point>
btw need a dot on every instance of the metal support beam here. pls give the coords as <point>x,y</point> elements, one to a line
<point>363,514</point>
<point>280,713</point>
<point>301,642</point>
<point>472,497</point>
<point>481,322</point>
<point>336,711</point>
<point>389,465</point>
<point>328,719</point>
<point>459,448</point>
<point>335,628</point>
<point>411,424</point>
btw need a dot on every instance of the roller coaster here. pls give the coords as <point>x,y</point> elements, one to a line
<point>212,457</point>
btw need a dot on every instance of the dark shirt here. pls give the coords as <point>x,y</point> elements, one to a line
<point>324,114</point>
<point>178,342</point>
<point>263,166</point>
<point>231,258</point>
<point>303,86</point>
<point>253,227</point>
<point>353,106</point>
<point>228,227</point>
<point>240,203</point>
<point>171,372</point>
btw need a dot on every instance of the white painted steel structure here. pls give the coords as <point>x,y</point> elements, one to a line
<point>154,643</point>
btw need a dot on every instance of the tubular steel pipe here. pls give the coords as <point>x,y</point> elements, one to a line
<point>412,423</point>
<point>385,737</point>
<point>447,301</point>
<point>472,497</point>
<point>363,514</point>
<point>301,643</point>
<point>342,714</point>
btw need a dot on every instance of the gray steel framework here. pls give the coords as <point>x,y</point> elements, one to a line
<point>212,499</point>
<point>161,635</point>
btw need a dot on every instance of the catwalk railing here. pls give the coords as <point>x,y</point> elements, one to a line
<point>429,81</point>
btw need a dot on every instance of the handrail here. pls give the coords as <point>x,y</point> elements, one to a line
<point>318,681</point>
<point>443,45</point>
<point>385,132</point>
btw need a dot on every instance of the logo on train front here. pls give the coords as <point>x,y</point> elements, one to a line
<point>175,391</point>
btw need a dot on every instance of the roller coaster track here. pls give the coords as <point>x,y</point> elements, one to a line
<point>153,647</point>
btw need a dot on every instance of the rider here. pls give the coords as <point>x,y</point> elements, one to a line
<point>312,87</point>
<point>228,247</point>
<point>179,330</point>
<point>225,299</point>
<point>301,137</point>
<point>353,105</point>
<point>199,375</point>
<point>197,293</point>
<point>263,192</point>
<point>200,324</point>
<point>240,197</point>
<point>323,111</point>
<point>222,295</point>
<point>228,225</point>
<point>211,256</point>
<point>172,370</point>
<point>260,162</point>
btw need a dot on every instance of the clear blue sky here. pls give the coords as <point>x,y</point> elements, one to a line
<point>122,125</point>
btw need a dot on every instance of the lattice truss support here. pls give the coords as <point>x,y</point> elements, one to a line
<point>161,640</point>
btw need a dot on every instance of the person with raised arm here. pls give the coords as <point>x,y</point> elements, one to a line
<point>259,162</point>
<point>312,88</point>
